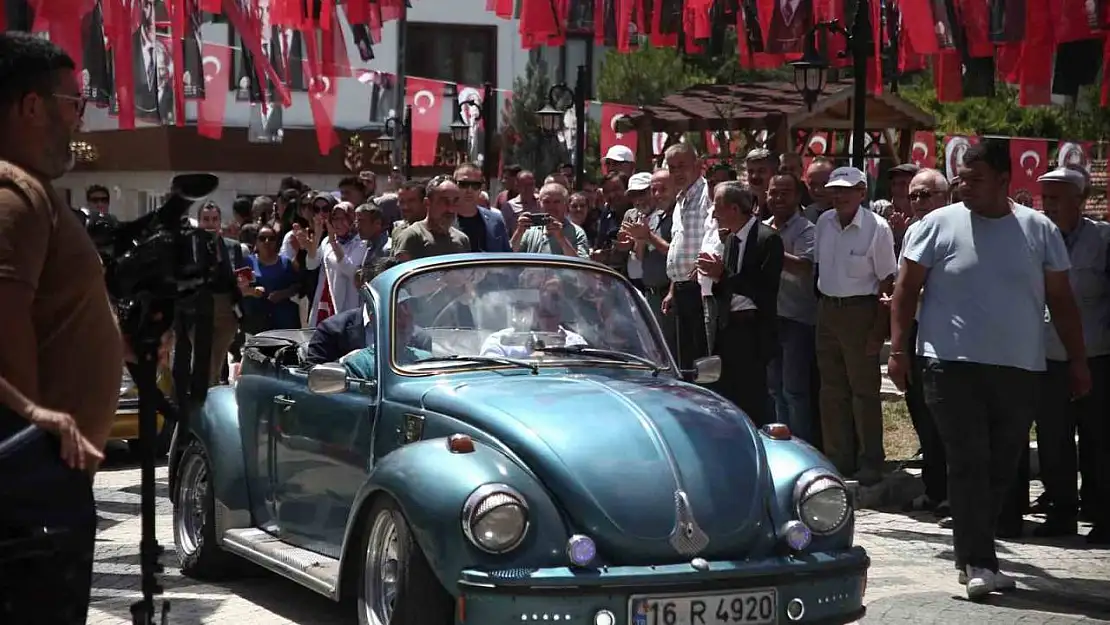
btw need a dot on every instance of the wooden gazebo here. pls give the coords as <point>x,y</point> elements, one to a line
<point>774,116</point>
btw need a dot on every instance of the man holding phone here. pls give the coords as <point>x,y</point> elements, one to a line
<point>550,232</point>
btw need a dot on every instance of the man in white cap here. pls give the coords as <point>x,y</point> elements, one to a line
<point>1064,193</point>
<point>639,195</point>
<point>854,250</point>
<point>620,158</point>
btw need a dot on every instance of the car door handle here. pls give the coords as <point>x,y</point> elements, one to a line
<point>282,400</point>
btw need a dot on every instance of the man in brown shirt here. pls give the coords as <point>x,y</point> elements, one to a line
<point>61,345</point>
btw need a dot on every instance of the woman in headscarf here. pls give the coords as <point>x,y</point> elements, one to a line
<point>340,255</point>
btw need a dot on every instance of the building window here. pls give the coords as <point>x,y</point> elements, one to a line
<point>453,53</point>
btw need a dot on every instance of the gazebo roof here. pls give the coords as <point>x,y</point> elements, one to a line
<point>755,106</point>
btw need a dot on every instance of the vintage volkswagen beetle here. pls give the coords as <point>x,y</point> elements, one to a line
<point>517,447</point>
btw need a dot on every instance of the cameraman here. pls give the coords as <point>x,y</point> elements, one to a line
<point>61,346</point>
<point>225,308</point>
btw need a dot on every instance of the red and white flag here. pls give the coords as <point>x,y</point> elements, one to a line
<point>321,94</point>
<point>924,150</point>
<point>426,99</point>
<point>1074,153</point>
<point>1028,161</point>
<point>611,114</point>
<point>216,62</point>
<point>817,145</point>
<point>955,146</point>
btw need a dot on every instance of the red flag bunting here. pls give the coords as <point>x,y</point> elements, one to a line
<point>610,136</point>
<point>1074,20</point>
<point>426,99</point>
<point>178,18</point>
<point>1035,88</point>
<point>321,94</point>
<point>955,146</point>
<point>924,150</point>
<point>216,63</point>
<point>1028,161</point>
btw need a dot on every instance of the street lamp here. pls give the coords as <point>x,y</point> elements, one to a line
<point>809,72</point>
<point>399,129</point>
<point>460,130</point>
<point>551,118</point>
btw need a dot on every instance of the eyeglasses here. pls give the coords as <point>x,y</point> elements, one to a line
<point>918,196</point>
<point>78,102</point>
<point>472,185</point>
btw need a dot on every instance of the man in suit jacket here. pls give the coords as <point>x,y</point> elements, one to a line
<point>484,227</point>
<point>745,292</point>
<point>790,22</point>
<point>153,68</point>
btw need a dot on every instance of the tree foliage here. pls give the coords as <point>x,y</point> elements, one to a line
<point>1001,115</point>
<point>525,144</point>
<point>646,75</point>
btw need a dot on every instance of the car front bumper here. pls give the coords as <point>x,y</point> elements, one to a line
<point>830,585</point>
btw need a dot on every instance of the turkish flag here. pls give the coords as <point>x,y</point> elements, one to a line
<point>955,146</point>
<point>1074,153</point>
<point>610,114</point>
<point>426,99</point>
<point>817,145</point>
<point>321,94</point>
<point>216,61</point>
<point>924,150</point>
<point>1028,161</point>
<point>712,143</point>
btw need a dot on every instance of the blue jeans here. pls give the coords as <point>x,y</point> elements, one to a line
<point>788,377</point>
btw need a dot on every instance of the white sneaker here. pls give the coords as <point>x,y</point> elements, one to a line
<point>980,583</point>
<point>1003,582</point>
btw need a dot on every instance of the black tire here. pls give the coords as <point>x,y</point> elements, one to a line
<point>420,598</point>
<point>199,556</point>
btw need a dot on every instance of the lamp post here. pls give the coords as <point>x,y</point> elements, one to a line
<point>810,71</point>
<point>460,130</point>
<point>551,118</point>
<point>399,129</point>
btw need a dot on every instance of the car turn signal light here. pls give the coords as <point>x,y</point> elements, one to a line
<point>777,431</point>
<point>460,444</point>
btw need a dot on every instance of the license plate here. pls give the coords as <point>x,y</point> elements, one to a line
<point>749,606</point>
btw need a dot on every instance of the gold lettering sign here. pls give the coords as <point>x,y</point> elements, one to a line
<point>445,158</point>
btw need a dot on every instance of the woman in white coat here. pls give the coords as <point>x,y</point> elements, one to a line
<point>341,253</point>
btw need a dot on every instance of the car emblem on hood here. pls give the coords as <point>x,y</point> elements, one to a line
<point>686,537</point>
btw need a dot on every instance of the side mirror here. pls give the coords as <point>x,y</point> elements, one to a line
<point>707,370</point>
<point>328,379</point>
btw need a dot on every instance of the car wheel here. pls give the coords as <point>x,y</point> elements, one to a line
<point>397,585</point>
<point>194,518</point>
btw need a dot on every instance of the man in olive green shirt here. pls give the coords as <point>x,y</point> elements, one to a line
<point>435,235</point>
<point>558,236</point>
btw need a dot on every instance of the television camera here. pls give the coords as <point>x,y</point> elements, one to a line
<point>152,264</point>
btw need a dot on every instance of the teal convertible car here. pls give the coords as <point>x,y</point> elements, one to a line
<point>514,445</point>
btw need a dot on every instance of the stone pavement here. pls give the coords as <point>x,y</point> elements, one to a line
<point>912,579</point>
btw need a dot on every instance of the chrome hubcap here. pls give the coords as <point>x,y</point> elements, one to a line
<point>383,570</point>
<point>189,514</point>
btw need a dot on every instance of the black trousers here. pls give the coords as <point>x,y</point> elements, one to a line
<point>1058,422</point>
<point>983,414</point>
<point>743,371</point>
<point>43,580</point>
<point>690,323</point>
<point>934,470</point>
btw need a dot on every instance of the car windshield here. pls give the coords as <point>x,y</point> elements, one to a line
<point>522,315</point>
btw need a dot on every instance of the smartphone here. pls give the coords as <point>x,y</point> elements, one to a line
<point>245,273</point>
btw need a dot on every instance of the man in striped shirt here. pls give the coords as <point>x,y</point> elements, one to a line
<point>691,214</point>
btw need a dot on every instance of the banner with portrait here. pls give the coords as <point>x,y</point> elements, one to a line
<point>282,46</point>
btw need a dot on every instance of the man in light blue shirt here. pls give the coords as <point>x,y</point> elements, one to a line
<point>988,266</point>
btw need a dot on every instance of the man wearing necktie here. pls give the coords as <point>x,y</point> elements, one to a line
<point>152,69</point>
<point>790,21</point>
<point>742,257</point>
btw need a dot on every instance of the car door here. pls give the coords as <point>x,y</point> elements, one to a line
<point>321,458</point>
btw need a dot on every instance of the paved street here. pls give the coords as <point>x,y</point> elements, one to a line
<point>912,579</point>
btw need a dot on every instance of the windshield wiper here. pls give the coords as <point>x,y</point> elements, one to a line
<point>498,360</point>
<point>585,350</point>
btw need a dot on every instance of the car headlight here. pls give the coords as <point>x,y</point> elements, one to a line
<point>495,518</point>
<point>821,501</point>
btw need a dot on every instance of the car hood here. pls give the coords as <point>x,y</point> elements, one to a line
<point>652,468</point>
